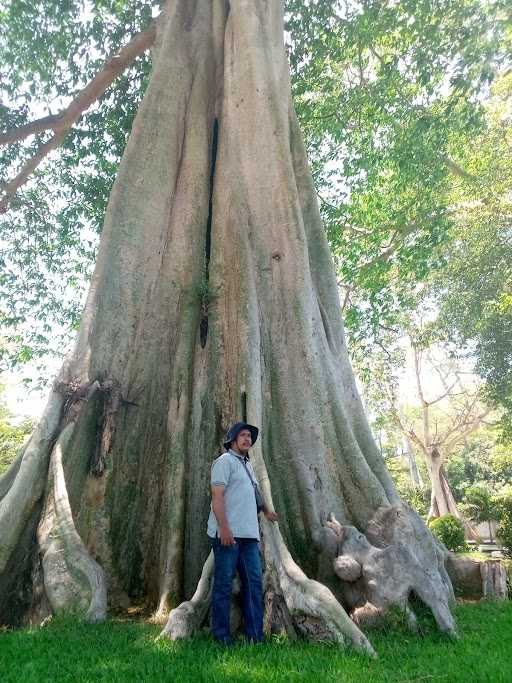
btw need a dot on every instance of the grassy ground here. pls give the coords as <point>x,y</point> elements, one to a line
<point>476,555</point>
<point>66,650</point>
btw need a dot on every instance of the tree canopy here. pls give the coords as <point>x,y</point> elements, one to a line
<point>474,288</point>
<point>381,89</point>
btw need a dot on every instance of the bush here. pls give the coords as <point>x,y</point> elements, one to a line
<point>450,531</point>
<point>504,530</point>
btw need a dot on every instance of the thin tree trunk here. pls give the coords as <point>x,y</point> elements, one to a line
<point>442,501</point>
<point>414,473</point>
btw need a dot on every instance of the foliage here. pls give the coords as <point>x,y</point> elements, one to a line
<point>480,506</point>
<point>504,530</point>
<point>449,530</point>
<point>48,238</point>
<point>481,461</point>
<point>380,89</point>
<point>472,464</point>
<point>12,437</point>
<point>478,251</point>
<point>68,651</point>
<point>418,498</point>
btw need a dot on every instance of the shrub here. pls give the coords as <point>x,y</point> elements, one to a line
<point>450,531</point>
<point>504,530</point>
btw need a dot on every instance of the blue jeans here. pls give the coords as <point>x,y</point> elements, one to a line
<point>244,556</point>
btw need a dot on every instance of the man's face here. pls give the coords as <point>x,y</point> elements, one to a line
<point>243,441</point>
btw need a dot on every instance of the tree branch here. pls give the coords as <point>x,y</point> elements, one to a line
<point>38,126</point>
<point>458,170</point>
<point>446,393</point>
<point>390,249</point>
<point>466,429</point>
<point>346,298</point>
<point>12,187</point>
<point>62,122</point>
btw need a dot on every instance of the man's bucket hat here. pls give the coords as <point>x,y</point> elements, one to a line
<point>235,430</point>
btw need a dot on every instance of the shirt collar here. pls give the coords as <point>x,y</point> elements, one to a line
<point>245,458</point>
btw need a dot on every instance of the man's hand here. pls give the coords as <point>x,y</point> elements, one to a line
<point>271,516</point>
<point>226,537</point>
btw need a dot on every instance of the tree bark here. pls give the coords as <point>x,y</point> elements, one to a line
<point>442,501</point>
<point>414,473</point>
<point>214,298</point>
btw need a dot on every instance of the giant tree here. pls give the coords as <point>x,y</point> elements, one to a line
<point>213,298</point>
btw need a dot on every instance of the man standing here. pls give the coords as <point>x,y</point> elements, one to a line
<point>234,532</point>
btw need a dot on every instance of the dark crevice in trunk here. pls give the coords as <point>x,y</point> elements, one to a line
<point>244,406</point>
<point>326,326</point>
<point>203,326</point>
<point>16,589</point>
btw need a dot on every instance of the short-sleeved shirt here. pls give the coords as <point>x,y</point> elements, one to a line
<point>239,500</point>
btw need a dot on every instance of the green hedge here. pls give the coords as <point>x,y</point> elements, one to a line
<point>450,531</point>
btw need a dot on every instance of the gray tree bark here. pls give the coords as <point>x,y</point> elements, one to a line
<point>213,299</point>
<point>414,472</point>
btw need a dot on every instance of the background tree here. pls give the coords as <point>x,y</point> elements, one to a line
<point>436,441</point>
<point>382,90</point>
<point>474,287</point>
<point>438,423</point>
<point>464,294</point>
<point>481,460</point>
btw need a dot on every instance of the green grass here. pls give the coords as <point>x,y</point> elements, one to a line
<point>476,555</point>
<point>67,650</point>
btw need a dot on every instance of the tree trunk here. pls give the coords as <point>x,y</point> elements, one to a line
<point>414,472</point>
<point>213,299</point>
<point>442,501</point>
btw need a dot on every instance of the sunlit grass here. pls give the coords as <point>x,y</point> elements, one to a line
<point>67,650</point>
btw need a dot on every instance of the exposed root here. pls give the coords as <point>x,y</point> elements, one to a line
<point>296,602</point>
<point>312,607</point>
<point>29,481</point>
<point>188,617</point>
<point>72,579</point>
<point>293,603</point>
<point>397,557</point>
